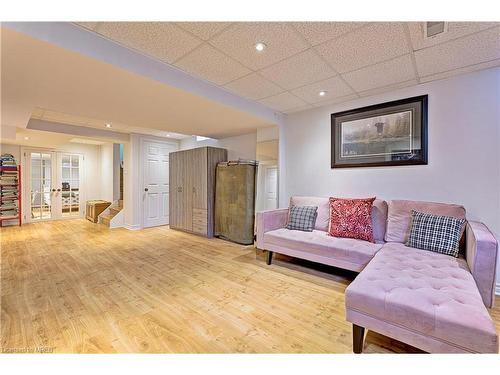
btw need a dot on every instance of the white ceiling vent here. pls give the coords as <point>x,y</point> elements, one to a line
<point>431,29</point>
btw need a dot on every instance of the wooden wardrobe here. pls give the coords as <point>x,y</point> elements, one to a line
<point>192,189</point>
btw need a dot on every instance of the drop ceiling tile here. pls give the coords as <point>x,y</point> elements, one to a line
<point>470,50</point>
<point>299,109</point>
<point>467,69</point>
<point>301,69</point>
<point>212,65</point>
<point>334,87</point>
<point>239,40</point>
<point>162,40</point>
<point>283,102</point>
<point>319,32</point>
<point>365,46</point>
<point>455,30</point>
<point>204,30</point>
<point>383,74</point>
<point>253,86</point>
<point>341,99</point>
<point>395,86</point>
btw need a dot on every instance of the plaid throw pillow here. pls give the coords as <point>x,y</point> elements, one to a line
<point>440,234</point>
<point>302,218</point>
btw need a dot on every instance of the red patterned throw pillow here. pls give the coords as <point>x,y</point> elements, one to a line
<point>351,218</point>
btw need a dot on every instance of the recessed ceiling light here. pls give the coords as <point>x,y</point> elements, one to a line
<point>108,125</point>
<point>322,93</point>
<point>26,138</point>
<point>260,46</point>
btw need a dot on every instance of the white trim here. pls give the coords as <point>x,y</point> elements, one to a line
<point>132,227</point>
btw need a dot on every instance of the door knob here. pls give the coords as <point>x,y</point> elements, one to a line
<point>146,189</point>
<point>53,189</point>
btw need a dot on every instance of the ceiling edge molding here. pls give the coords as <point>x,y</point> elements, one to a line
<point>77,39</point>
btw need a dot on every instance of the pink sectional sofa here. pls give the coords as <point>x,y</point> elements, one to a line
<point>431,301</point>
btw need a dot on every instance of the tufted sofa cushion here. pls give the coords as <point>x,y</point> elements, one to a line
<point>379,213</point>
<point>321,245</point>
<point>432,294</point>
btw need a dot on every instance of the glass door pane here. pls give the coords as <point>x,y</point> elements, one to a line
<point>70,185</point>
<point>40,184</point>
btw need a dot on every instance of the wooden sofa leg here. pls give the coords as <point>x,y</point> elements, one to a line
<point>358,337</point>
<point>269,258</point>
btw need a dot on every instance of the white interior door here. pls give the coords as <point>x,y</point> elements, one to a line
<point>271,187</point>
<point>156,182</point>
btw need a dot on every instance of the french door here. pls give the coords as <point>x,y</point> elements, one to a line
<point>54,185</point>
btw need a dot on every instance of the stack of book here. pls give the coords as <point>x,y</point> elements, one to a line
<point>9,194</point>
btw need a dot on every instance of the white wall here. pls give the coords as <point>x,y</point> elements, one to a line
<point>116,171</point>
<point>14,150</point>
<point>239,147</point>
<point>107,172</point>
<point>268,134</point>
<point>464,156</point>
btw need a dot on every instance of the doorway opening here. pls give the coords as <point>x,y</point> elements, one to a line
<point>267,176</point>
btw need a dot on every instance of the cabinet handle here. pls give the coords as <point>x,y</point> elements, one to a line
<point>53,189</point>
<point>146,189</point>
<point>179,189</point>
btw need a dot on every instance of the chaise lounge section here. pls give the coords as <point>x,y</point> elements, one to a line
<point>431,301</point>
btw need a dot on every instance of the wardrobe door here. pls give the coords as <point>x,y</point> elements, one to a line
<point>175,197</point>
<point>187,190</point>
<point>199,189</point>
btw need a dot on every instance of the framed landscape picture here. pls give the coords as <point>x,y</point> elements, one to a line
<point>392,133</point>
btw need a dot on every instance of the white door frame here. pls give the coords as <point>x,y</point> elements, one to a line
<point>140,193</point>
<point>26,181</point>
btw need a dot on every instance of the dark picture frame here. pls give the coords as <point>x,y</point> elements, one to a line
<point>387,134</point>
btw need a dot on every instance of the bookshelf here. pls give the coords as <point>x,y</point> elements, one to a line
<point>11,193</point>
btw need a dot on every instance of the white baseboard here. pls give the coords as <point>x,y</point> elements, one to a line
<point>132,227</point>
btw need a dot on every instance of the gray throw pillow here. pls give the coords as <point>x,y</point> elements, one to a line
<point>302,218</point>
<point>440,234</point>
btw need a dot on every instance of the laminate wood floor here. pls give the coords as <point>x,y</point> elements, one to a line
<point>76,287</point>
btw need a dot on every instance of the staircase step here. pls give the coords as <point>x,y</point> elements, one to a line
<point>114,210</point>
<point>106,219</point>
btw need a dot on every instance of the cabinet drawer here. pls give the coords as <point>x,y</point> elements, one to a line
<point>200,215</point>
<point>199,228</point>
